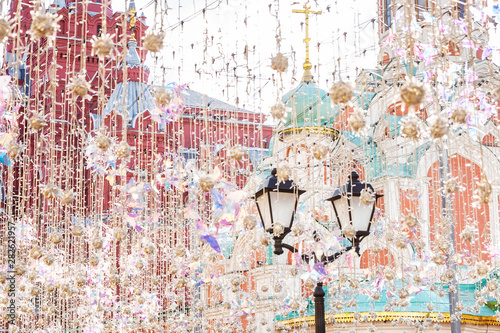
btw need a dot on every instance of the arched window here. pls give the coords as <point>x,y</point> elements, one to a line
<point>99,30</point>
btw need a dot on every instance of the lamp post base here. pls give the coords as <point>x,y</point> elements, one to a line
<point>319,308</point>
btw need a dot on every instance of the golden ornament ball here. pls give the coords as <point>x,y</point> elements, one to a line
<point>13,149</point>
<point>123,150</point>
<point>236,153</point>
<point>5,27</point>
<point>153,42</point>
<point>249,222</point>
<point>341,92</point>
<point>56,238</point>
<point>44,24</point>
<point>77,230</point>
<point>319,151</point>
<point>50,191</point>
<point>67,197</point>
<point>102,142</point>
<point>279,63</point>
<point>412,93</point>
<point>278,110</point>
<point>80,86</point>
<point>103,46</point>
<point>206,183</point>
<point>37,121</point>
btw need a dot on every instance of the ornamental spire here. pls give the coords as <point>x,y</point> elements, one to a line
<point>307,77</point>
<point>131,12</point>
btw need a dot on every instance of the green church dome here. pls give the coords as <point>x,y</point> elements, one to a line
<point>311,110</point>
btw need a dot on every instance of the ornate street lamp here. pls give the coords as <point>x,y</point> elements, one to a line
<point>277,202</point>
<point>353,203</point>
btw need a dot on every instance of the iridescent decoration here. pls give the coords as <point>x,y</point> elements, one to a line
<point>153,42</point>
<point>341,92</point>
<point>413,92</point>
<point>279,63</point>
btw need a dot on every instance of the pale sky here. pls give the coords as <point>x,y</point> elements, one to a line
<point>224,35</point>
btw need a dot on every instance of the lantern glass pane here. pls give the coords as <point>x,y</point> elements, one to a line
<point>283,206</point>
<point>342,208</point>
<point>361,214</point>
<point>264,209</point>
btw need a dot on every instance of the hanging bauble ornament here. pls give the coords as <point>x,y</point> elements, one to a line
<point>149,248</point>
<point>349,231</point>
<point>56,238</point>
<point>44,24</point>
<point>283,172</point>
<point>412,92</point>
<point>37,121</point>
<point>249,222</point>
<point>5,27</point>
<point>180,251</point>
<point>278,229</point>
<point>50,287</point>
<point>67,197</point>
<point>451,186</point>
<point>119,234</point>
<point>50,191</point>
<point>153,42</point>
<point>310,283</point>
<point>103,46</point>
<point>79,86</point>
<point>294,271</point>
<point>482,268</point>
<point>492,285</point>
<point>483,191</point>
<point>123,150</point>
<point>389,273</point>
<point>265,239</point>
<point>206,183</point>
<point>81,280</point>
<point>367,197</point>
<point>410,127</point>
<point>411,221</point>
<point>319,151</point>
<point>93,260</point>
<point>438,126</point>
<point>278,110</point>
<point>341,92</point>
<point>48,260</point>
<point>439,259</point>
<point>357,120</point>
<point>294,305</point>
<point>430,307</point>
<point>279,63</point>
<point>77,230</point>
<point>163,97</point>
<point>403,293</point>
<point>36,253</point>
<point>495,93</point>
<point>35,291</point>
<point>236,153</point>
<point>468,233</point>
<point>139,264</point>
<point>443,245</point>
<point>102,142</point>
<point>20,269</point>
<point>376,296</point>
<point>401,240</point>
<point>458,115</point>
<point>97,243</point>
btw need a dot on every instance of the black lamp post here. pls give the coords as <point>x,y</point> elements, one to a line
<point>277,202</point>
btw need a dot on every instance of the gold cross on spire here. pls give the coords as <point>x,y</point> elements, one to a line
<point>307,77</point>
